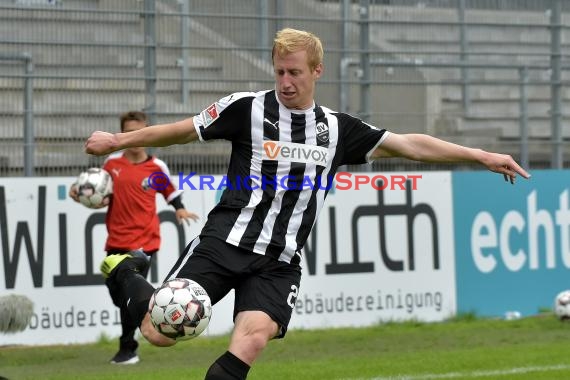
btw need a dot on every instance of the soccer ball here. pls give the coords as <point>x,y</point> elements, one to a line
<point>562,305</point>
<point>94,187</point>
<point>180,309</point>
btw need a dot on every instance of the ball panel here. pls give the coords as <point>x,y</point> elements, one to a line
<point>96,199</point>
<point>195,312</point>
<point>157,314</point>
<point>202,326</point>
<point>182,296</point>
<point>168,330</point>
<point>85,201</point>
<point>163,296</point>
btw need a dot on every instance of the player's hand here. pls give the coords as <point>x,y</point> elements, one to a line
<point>74,192</point>
<point>101,143</point>
<point>505,165</point>
<point>183,215</point>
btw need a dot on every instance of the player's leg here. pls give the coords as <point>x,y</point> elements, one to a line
<point>128,287</point>
<point>128,345</point>
<point>199,262</point>
<point>253,330</point>
<point>263,306</point>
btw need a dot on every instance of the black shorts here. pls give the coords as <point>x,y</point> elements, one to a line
<point>260,282</point>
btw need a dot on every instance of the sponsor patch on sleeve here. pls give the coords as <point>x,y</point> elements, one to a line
<point>210,114</point>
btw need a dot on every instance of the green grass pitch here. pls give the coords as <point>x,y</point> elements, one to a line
<point>464,348</point>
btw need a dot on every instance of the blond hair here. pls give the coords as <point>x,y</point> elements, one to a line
<point>290,40</point>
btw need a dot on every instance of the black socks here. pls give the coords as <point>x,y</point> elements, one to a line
<point>227,367</point>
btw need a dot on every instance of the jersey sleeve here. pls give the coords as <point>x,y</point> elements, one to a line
<point>225,118</point>
<point>359,140</point>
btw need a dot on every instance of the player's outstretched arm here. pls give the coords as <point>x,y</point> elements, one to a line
<point>425,148</point>
<point>180,132</point>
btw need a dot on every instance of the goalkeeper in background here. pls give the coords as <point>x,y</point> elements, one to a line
<point>132,221</point>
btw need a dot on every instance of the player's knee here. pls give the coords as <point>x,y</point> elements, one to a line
<point>254,331</point>
<point>248,345</point>
<point>258,340</point>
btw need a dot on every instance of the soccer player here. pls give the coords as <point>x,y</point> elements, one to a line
<point>253,239</point>
<point>132,221</point>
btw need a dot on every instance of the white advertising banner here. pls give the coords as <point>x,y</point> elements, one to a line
<point>375,255</point>
<point>380,255</point>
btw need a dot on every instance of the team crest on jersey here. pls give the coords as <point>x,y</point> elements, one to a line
<point>210,114</point>
<point>322,133</point>
<point>145,184</point>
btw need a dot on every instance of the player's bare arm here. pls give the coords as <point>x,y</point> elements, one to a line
<point>425,148</point>
<point>181,132</point>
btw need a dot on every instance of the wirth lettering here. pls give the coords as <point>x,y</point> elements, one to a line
<point>341,268</point>
<point>11,260</point>
<point>90,277</point>
<point>23,233</point>
<point>383,210</point>
<point>334,267</point>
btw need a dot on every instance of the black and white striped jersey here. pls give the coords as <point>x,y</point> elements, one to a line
<point>281,167</point>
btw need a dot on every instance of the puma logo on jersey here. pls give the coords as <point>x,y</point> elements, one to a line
<point>294,152</point>
<point>274,125</point>
<point>116,171</point>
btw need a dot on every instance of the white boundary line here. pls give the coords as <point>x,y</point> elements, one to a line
<point>473,374</point>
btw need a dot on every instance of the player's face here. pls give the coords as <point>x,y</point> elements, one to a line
<point>295,81</point>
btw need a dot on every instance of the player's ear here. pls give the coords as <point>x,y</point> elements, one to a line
<point>318,71</point>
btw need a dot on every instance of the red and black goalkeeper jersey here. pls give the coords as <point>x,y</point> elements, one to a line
<point>132,221</point>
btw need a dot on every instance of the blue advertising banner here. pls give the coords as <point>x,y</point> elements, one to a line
<point>511,242</point>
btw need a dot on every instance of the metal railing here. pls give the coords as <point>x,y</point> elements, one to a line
<point>28,108</point>
<point>405,65</point>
